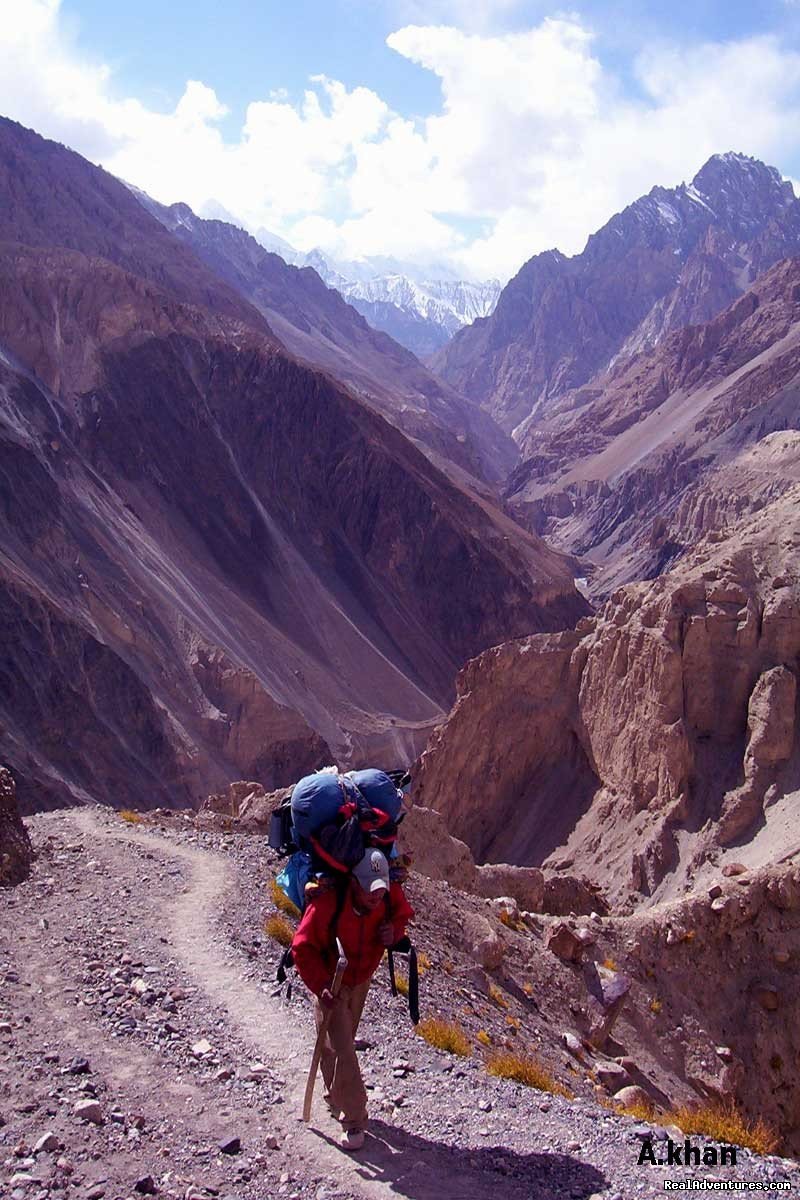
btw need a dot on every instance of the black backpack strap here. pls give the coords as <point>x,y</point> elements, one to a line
<point>286,964</point>
<point>389,952</point>
<point>413,986</point>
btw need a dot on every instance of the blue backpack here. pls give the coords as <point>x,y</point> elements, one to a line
<point>329,820</point>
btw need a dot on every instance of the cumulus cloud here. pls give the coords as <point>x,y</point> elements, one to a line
<point>536,141</point>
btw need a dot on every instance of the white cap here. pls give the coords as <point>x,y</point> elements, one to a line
<point>372,872</point>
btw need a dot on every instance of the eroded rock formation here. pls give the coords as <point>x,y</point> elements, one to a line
<point>15,846</point>
<point>647,739</point>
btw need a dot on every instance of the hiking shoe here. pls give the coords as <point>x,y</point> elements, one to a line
<point>352,1139</point>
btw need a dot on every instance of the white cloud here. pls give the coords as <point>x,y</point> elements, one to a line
<point>535,138</point>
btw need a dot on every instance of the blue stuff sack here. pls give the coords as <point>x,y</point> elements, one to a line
<point>294,877</point>
<point>378,790</point>
<point>316,800</point>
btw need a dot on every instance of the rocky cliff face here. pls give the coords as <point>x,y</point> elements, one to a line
<point>675,256</point>
<point>629,470</point>
<point>15,846</point>
<point>650,740</point>
<point>217,563</point>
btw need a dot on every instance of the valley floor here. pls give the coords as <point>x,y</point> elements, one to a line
<point>134,971</point>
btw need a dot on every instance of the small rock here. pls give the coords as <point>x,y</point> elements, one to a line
<point>97,1192</point>
<point>146,1186</point>
<point>612,1076</point>
<point>725,1053</point>
<point>720,904</point>
<point>573,1044</point>
<point>714,891</point>
<point>572,1146</point>
<point>79,1066</point>
<point>485,1105</point>
<point>632,1095</point>
<point>231,1146</point>
<point>735,868</point>
<point>202,1049</point>
<point>256,1072</point>
<point>767,997</point>
<point>89,1110</point>
<point>565,944</point>
<point>781,956</point>
<point>46,1144</point>
<point>643,1132</point>
<point>272,1143</point>
<point>223,1074</point>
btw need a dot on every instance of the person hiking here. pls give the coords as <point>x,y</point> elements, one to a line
<point>368,916</point>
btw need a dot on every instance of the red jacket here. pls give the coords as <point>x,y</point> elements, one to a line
<point>314,949</point>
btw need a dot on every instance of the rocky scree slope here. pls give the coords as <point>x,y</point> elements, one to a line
<point>179,990</point>
<point>672,443</point>
<point>215,561</point>
<point>674,257</point>
<point>658,736</point>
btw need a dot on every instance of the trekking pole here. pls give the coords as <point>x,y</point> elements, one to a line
<point>341,967</point>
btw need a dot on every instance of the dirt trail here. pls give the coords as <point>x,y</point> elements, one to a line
<point>129,947</point>
<point>263,1025</point>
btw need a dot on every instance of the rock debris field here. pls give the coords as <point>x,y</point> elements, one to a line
<point>144,1050</point>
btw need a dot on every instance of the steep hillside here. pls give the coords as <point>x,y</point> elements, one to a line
<point>616,470</point>
<point>319,326</point>
<point>676,256</point>
<point>214,561</point>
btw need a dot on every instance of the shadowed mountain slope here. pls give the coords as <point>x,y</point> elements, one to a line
<point>317,325</point>
<point>215,563</point>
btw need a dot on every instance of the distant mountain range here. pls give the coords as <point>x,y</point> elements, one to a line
<point>420,309</point>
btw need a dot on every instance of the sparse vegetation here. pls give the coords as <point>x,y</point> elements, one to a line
<point>725,1124</point>
<point>510,922</point>
<point>640,1110</point>
<point>526,1070</point>
<point>496,996</point>
<point>423,963</point>
<point>484,1038</point>
<point>656,1005</point>
<point>279,929</point>
<point>401,982</point>
<point>527,988</point>
<point>445,1035</point>
<point>282,901</point>
<point>132,818</point>
<point>610,964</point>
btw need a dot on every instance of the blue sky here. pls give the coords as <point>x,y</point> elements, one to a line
<point>475,133</point>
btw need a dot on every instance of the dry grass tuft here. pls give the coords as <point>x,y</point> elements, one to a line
<point>524,1069</point>
<point>279,929</point>
<point>401,983</point>
<point>726,1125</point>
<point>527,988</point>
<point>610,964</point>
<point>510,923</point>
<point>132,818</point>
<point>641,1111</point>
<point>445,1035</point>
<point>423,963</point>
<point>656,1006</point>
<point>282,901</point>
<point>496,995</point>
<point>484,1038</point>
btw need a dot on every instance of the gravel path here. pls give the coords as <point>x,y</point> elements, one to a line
<point>144,1050</point>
